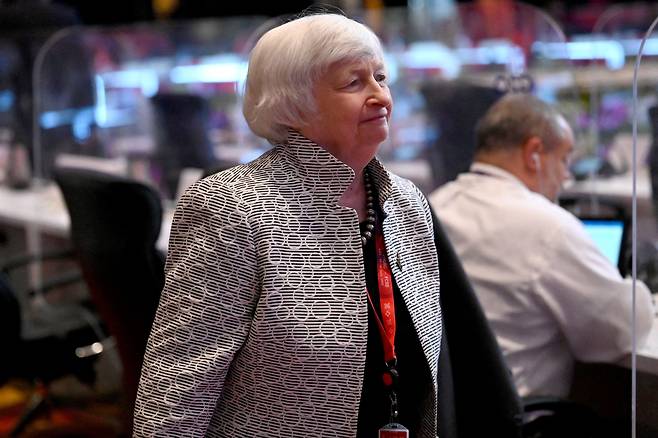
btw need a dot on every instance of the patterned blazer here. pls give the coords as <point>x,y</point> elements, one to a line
<point>262,325</point>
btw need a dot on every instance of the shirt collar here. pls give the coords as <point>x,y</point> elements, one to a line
<point>494,171</point>
<point>315,165</point>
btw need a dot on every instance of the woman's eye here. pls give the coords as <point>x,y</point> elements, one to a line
<point>380,77</point>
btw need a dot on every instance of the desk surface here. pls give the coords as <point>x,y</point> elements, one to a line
<point>618,186</point>
<point>647,355</point>
<point>41,208</point>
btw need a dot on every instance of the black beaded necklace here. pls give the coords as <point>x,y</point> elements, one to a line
<point>371,217</point>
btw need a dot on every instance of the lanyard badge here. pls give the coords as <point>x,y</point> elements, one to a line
<point>393,430</point>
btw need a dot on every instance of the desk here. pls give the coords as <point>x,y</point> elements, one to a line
<point>618,186</point>
<point>36,207</point>
<point>618,190</point>
<point>647,355</point>
<point>41,209</point>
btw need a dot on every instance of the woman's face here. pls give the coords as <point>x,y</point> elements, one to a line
<point>354,108</point>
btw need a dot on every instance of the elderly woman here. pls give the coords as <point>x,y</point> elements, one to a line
<point>302,289</point>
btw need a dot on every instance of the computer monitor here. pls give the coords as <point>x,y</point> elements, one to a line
<point>609,234</point>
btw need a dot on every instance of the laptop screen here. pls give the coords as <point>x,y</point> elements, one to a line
<point>608,234</point>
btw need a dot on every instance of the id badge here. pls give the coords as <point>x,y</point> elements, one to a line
<point>394,430</point>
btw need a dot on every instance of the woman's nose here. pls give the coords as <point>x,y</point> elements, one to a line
<point>380,96</point>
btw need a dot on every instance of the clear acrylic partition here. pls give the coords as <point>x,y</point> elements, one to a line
<point>622,130</point>
<point>116,102</point>
<point>607,177</point>
<point>156,102</point>
<point>449,63</point>
<point>146,100</point>
<point>616,38</point>
<point>14,161</point>
<point>644,147</point>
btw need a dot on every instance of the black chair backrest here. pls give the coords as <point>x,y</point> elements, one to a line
<point>182,123</point>
<point>454,108</point>
<point>115,223</point>
<point>10,328</point>
<point>474,381</point>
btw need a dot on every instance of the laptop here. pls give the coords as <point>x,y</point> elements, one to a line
<point>609,234</point>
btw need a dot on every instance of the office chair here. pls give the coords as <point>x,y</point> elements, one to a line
<point>477,396</point>
<point>45,338</point>
<point>181,128</point>
<point>115,223</point>
<point>220,166</point>
<point>453,109</point>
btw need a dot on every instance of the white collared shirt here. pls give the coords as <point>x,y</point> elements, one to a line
<point>549,294</point>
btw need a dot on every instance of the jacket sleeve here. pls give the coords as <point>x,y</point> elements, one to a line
<point>203,317</point>
<point>589,300</point>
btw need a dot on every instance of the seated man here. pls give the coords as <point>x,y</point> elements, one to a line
<point>549,294</point>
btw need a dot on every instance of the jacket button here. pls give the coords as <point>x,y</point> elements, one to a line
<point>398,261</point>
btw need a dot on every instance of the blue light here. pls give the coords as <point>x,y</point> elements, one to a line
<point>53,119</point>
<point>72,116</point>
<point>101,101</point>
<point>6,100</point>
<point>82,122</point>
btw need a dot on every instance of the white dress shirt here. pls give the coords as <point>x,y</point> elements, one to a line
<point>549,294</point>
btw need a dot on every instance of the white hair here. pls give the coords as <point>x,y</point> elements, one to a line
<point>288,60</point>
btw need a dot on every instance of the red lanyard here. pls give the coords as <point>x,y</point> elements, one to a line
<point>386,323</point>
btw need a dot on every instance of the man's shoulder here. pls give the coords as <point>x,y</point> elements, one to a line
<point>525,212</point>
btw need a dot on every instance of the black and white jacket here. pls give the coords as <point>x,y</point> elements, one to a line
<point>262,325</point>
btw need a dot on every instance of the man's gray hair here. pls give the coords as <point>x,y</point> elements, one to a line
<point>514,119</point>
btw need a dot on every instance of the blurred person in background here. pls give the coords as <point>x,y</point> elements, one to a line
<point>549,294</point>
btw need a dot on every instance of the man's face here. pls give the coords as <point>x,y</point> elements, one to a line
<point>554,169</point>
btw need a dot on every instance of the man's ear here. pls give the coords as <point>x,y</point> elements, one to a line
<point>532,149</point>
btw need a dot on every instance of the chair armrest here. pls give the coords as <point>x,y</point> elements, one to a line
<point>547,416</point>
<point>24,259</point>
<point>547,403</point>
<point>54,283</point>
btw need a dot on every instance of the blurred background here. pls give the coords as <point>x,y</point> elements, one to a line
<point>148,93</point>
